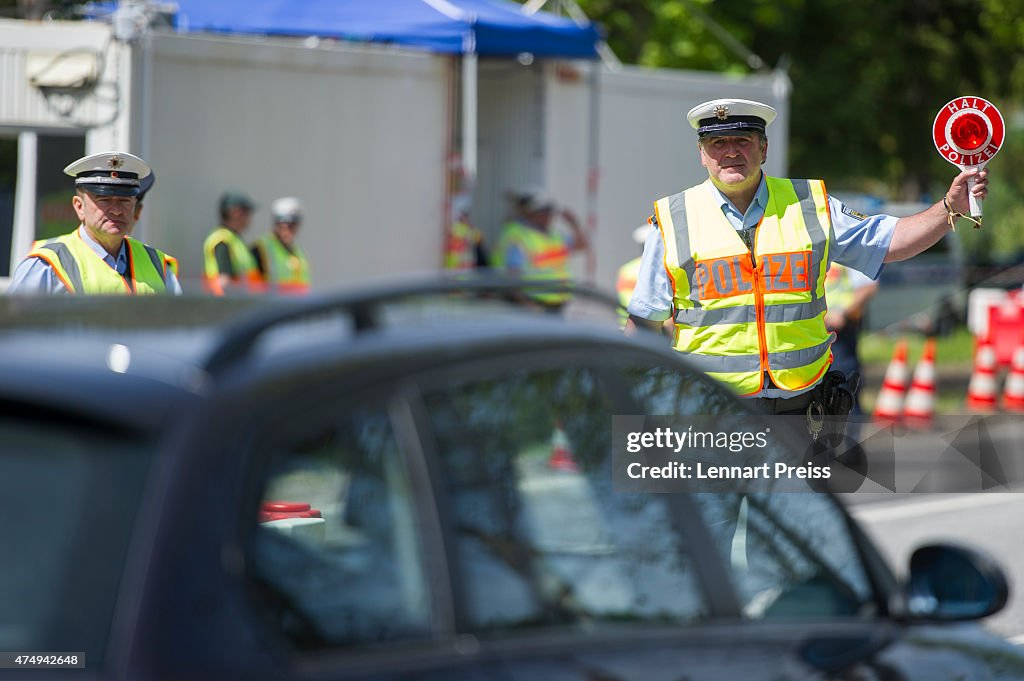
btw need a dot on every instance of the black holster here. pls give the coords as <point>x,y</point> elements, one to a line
<point>835,394</point>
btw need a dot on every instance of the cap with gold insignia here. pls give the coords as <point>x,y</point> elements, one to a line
<point>730,117</point>
<point>109,173</point>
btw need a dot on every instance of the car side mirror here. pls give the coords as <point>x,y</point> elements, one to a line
<point>950,582</point>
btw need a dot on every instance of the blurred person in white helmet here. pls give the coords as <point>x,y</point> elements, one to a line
<point>282,263</point>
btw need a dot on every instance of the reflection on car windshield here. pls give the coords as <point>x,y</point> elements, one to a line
<point>347,571</point>
<point>543,540</point>
<point>789,554</point>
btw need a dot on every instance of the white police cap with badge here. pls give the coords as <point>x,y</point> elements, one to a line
<point>109,173</point>
<point>730,117</point>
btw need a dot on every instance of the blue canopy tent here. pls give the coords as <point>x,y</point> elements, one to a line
<point>496,28</point>
<point>485,27</point>
<point>466,27</point>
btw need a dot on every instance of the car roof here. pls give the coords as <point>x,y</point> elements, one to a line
<point>155,352</point>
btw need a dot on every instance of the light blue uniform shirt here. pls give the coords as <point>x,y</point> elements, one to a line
<point>857,241</point>
<point>35,276</point>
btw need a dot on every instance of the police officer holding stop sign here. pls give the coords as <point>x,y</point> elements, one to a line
<point>738,263</point>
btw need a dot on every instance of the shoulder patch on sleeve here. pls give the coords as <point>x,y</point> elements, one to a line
<point>856,215</point>
<point>652,220</point>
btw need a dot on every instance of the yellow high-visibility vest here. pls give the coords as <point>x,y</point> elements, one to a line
<point>838,287</point>
<point>460,246</point>
<point>739,314</point>
<point>246,271</point>
<point>547,254</point>
<point>287,271</point>
<point>82,270</point>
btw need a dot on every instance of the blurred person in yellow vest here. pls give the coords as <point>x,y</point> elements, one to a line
<point>281,262</point>
<point>464,244</point>
<point>532,249</point>
<point>847,292</point>
<point>100,257</point>
<point>738,264</point>
<point>228,265</point>
<point>625,280</point>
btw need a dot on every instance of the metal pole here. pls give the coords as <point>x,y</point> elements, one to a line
<point>25,198</point>
<point>593,169</point>
<point>469,112</point>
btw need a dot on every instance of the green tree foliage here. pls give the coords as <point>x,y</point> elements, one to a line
<point>868,78</point>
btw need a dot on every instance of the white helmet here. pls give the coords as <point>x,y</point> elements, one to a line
<point>286,209</point>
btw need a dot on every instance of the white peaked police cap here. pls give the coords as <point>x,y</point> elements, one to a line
<point>730,117</point>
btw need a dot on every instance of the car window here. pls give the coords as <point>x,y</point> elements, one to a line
<point>673,391</point>
<point>69,493</point>
<point>790,554</point>
<point>541,538</point>
<point>337,550</point>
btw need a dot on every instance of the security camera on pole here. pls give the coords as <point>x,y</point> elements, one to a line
<point>968,132</point>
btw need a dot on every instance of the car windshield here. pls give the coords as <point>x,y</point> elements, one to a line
<point>69,493</point>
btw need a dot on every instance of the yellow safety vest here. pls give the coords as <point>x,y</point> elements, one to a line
<point>460,246</point>
<point>624,285</point>
<point>838,288</point>
<point>739,315</point>
<point>244,264</point>
<point>82,270</point>
<point>547,255</point>
<point>287,271</point>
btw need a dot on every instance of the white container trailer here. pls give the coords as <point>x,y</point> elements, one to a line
<point>364,135</point>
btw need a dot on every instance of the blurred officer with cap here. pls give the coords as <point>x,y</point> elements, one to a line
<point>282,263</point>
<point>228,265</point>
<point>739,262</point>
<point>531,248</point>
<point>99,256</point>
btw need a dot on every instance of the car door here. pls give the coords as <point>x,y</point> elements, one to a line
<point>459,515</point>
<point>543,547</point>
<point>462,521</point>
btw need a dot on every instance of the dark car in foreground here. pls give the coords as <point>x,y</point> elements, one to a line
<point>416,483</point>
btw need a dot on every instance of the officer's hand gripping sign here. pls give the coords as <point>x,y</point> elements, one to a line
<point>968,132</point>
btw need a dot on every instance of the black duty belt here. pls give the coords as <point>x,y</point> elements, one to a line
<point>784,405</point>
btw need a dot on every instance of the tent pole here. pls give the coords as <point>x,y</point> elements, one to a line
<point>593,169</point>
<point>469,112</point>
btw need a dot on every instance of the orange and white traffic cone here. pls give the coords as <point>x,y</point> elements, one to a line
<point>561,456</point>
<point>981,391</point>
<point>1013,391</point>
<point>919,409</point>
<point>889,404</point>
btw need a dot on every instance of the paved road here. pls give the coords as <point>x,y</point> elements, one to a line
<point>991,521</point>
<point>943,461</point>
